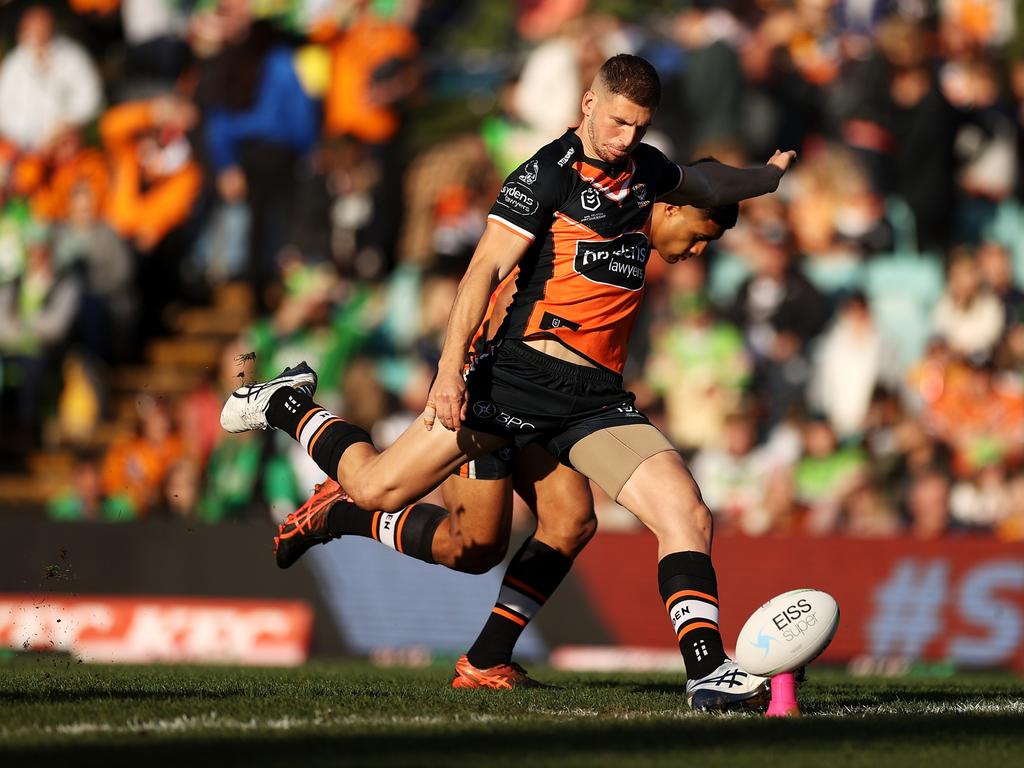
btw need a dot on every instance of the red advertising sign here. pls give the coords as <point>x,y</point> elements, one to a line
<point>959,599</point>
<point>159,629</point>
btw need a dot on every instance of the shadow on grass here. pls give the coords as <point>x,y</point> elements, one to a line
<point>832,695</point>
<point>101,693</point>
<point>523,743</point>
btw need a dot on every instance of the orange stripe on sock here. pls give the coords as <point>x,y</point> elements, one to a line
<point>319,432</point>
<point>302,422</point>
<point>695,625</point>
<point>513,582</point>
<point>398,528</point>
<point>688,593</point>
<point>373,526</point>
<point>510,616</point>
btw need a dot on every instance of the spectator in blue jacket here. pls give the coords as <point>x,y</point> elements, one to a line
<point>259,126</point>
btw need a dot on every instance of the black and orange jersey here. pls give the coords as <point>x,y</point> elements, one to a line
<point>582,279</point>
<point>497,306</point>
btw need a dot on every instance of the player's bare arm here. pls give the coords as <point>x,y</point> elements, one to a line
<point>706,185</point>
<point>495,257</point>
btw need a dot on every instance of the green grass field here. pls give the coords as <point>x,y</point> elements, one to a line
<point>59,712</point>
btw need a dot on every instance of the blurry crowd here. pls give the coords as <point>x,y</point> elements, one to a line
<point>848,360</point>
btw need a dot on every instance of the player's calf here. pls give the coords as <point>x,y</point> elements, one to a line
<point>689,588</point>
<point>533,575</point>
<point>473,557</point>
<point>330,513</point>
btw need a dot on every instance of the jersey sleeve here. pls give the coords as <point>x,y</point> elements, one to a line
<point>529,198</point>
<point>668,176</point>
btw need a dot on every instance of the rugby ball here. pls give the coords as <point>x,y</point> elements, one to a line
<point>787,632</point>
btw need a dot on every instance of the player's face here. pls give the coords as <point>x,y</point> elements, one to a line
<point>614,125</point>
<point>682,233</point>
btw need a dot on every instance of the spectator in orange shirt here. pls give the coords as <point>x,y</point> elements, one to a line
<point>980,418</point>
<point>136,465</point>
<point>373,72</point>
<point>155,182</point>
<point>155,178</point>
<point>49,178</point>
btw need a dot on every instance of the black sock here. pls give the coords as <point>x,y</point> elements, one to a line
<point>690,591</point>
<point>409,531</point>
<point>533,575</point>
<point>324,436</point>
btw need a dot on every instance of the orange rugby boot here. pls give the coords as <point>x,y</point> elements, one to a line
<point>500,677</point>
<point>307,526</point>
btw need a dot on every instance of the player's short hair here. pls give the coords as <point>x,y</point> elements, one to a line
<point>632,77</point>
<point>724,216</point>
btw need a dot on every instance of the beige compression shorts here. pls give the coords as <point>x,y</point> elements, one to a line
<point>611,455</point>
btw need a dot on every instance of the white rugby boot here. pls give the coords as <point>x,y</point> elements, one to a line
<point>728,687</point>
<point>246,407</point>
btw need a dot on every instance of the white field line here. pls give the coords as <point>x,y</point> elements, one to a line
<point>213,722</point>
<point>1008,707</point>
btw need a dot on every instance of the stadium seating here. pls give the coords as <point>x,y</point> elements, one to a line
<point>902,288</point>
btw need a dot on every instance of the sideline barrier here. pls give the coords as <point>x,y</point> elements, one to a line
<point>159,590</point>
<point>139,630</point>
<point>957,600</point>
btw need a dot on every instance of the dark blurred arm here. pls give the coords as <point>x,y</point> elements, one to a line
<point>711,184</point>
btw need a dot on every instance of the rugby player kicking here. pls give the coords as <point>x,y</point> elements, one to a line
<point>474,528</point>
<point>576,220</point>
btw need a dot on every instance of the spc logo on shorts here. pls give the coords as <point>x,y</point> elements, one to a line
<point>485,409</point>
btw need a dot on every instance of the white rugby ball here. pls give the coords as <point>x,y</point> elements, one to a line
<point>787,632</point>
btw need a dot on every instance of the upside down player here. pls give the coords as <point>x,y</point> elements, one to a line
<point>473,530</point>
<point>576,219</point>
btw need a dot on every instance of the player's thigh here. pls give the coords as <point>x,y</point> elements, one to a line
<point>417,462</point>
<point>663,495</point>
<point>559,496</point>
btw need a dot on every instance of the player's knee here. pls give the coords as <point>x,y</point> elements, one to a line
<point>373,494</point>
<point>587,530</point>
<point>701,519</point>
<point>683,517</point>
<point>567,536</point>
<point>690,518</point>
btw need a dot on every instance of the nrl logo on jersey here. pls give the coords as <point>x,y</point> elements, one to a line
<point>530,173</point>
<point>640,190</point>
<point>591,199</point>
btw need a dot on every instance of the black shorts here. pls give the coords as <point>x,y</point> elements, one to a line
<point>491,466</point>
<point>529,397</point>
